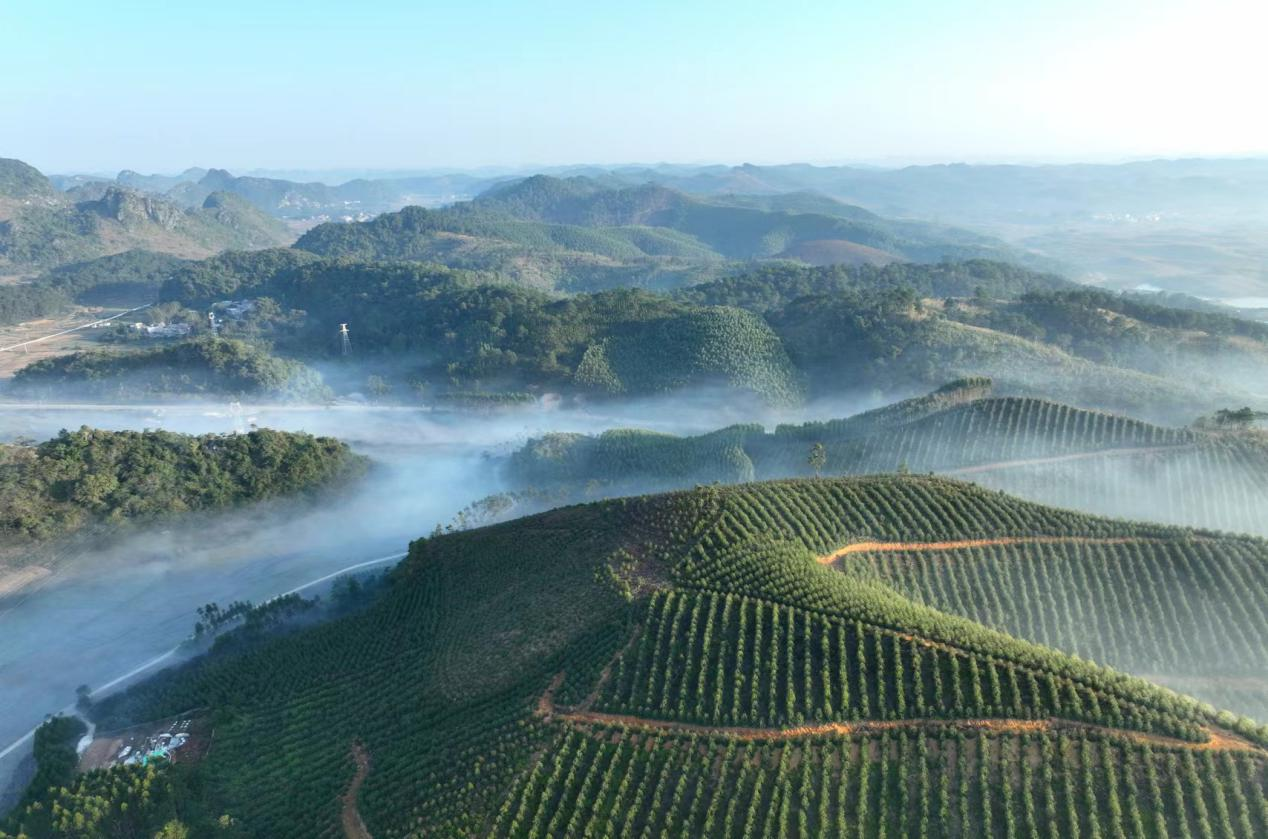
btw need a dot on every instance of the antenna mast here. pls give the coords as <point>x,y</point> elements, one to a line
<point>345,345</point>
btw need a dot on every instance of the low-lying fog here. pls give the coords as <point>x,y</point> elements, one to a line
<point>100,617</point>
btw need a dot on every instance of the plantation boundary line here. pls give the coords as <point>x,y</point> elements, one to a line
<point>1062,458</point>
<point>884,547</point>
<point>1217,740</point>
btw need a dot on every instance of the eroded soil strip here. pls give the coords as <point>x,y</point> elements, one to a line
<point>1217,740</point>
<point>353,826</point>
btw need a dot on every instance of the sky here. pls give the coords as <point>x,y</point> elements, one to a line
<point>96,86</point>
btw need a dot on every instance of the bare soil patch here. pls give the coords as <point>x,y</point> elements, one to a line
<point>13,360</point>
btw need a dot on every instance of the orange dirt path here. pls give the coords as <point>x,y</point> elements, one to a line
<point>879,547</point>
<point>871,548</point>
<point>353,826</point>
<point>1217,740</point>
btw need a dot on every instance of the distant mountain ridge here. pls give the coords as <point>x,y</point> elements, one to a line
<point>289,199</point>
<point>584,234</point>
<point>41,228</point>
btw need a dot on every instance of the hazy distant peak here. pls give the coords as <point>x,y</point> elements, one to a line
<point>217,179</point>
<point>21,180</point>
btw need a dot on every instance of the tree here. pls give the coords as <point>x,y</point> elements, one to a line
<point>83,700</point>
<point>818,458</point>
<point>173,830</point>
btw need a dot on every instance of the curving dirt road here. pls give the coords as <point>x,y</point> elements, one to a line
<point>1217,739</point>
<point>350,816</point>
<point>882,547</point>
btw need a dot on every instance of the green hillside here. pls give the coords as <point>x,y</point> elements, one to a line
<point>784,332</point>
<point>693,663</point>
<point>768,288</point>
<point>579,234</point>
<point>1212,348</point>
<point>844,331</point>
<point>1039,449</point>
<point>743,227</point>
<point>470,334</point>
<point>20,180</point>
<point>41,228</point>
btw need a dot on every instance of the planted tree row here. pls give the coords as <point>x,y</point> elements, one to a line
<point>615,783</point>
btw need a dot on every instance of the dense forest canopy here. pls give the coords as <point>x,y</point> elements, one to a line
<point>93,476</point>
<point>812,332</point>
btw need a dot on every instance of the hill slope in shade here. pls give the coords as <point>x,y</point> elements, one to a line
<point>690,663</point>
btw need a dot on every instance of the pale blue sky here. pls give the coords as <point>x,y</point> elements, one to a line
<point>157,86</point>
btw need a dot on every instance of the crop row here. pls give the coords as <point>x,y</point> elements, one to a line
<point>898,784</point>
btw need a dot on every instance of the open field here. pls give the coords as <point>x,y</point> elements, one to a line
<point>13,360</point>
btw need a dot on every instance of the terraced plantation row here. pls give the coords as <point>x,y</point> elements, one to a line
<point>1184,608</point>
<point>1221,483</point>
<point>659,665</point>
<point>983,431</point>
<point>722,659</point>
<point>608,782</point>
<point>1034,448</point>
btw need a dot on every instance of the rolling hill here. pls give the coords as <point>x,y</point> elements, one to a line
<point>41,228</point>
<point>1039,449</point>
<point>581,234</point>
<point>703,663</point>
<point>784,332</point>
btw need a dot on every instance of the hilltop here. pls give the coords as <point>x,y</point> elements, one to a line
<point>41,228</point>
<point>582,234</point>
<point>703,663</point>
<point>19,180</point>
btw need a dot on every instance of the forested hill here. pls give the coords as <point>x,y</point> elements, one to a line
<point>91,476</point>
<point>728,661</point>
<point>1041,450</point>
<point>768,288</point>
<point>841,330</point>
<point>805,227</point>
<point>41,228</point>
<point>579,234</point>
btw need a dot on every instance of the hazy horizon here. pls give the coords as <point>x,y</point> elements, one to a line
<point>294,86</point>
<point>353,170</point>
